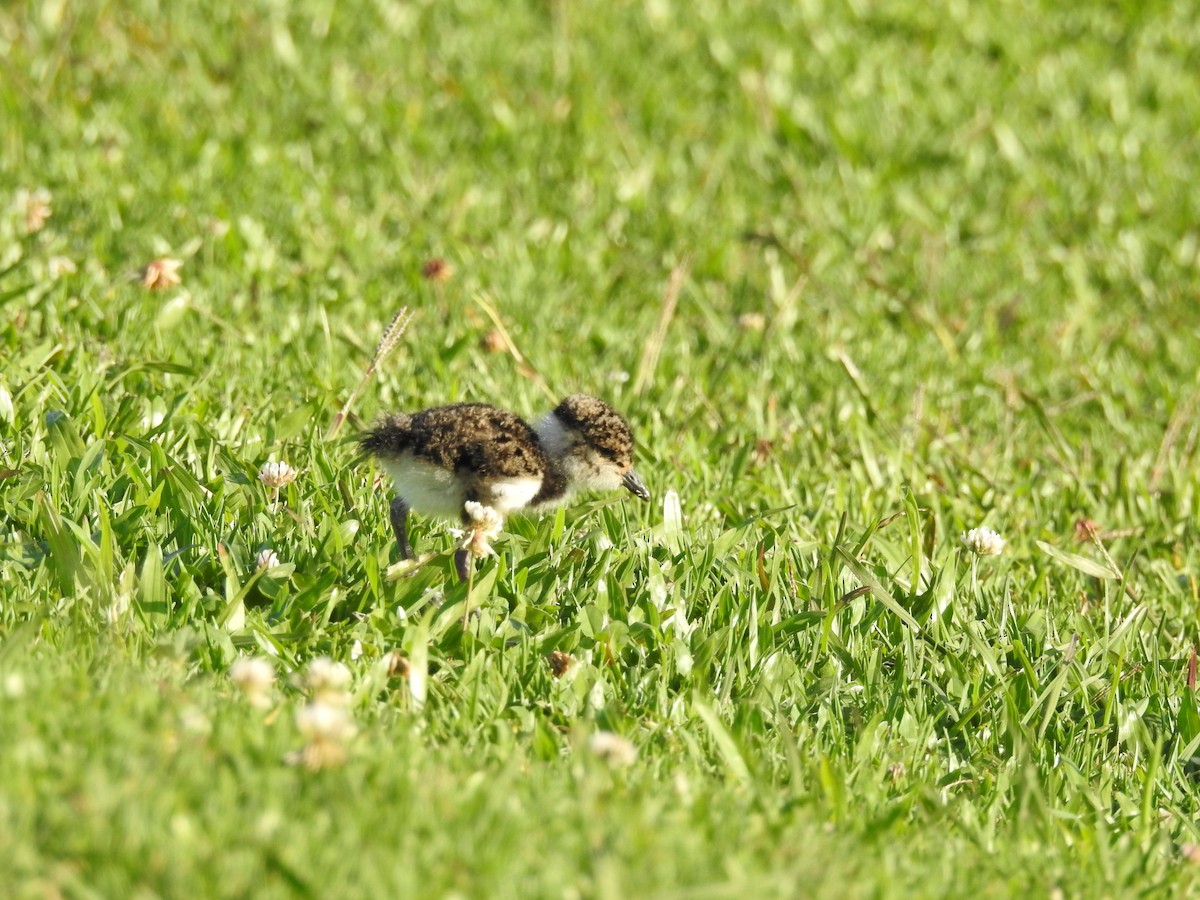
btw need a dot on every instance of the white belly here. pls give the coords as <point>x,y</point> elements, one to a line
<point>434,491</point>
<point>511,494</point>
<point>427,489</point>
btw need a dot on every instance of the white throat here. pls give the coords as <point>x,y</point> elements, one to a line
<point>580,464</point>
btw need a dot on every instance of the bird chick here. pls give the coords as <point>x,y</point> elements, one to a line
<point>442,458</point>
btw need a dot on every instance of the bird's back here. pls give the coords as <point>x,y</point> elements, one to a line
<point>482,453</point>
<point>473,438</point>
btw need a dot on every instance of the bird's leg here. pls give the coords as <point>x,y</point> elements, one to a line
<point>399,517</point>
<point>462,563</point>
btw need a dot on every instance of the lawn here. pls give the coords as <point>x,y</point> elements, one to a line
<point>862,276</point>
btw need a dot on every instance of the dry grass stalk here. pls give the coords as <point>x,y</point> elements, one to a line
<point>387,343</point>
<point>1184,413</point>
<point>650,353</point>
<point>523,365</point>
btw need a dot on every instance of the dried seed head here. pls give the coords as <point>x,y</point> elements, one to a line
<point>392,334</point>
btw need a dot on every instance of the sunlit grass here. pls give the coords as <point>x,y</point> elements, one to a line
<point>863,279</point>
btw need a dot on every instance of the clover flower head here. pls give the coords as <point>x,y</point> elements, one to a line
<point>483,525</point>
<point>35,206</point>
<point>324,722</point>
<point>58,266</point>
<point>327,727</point>
<point>615,750</point>
<point>329,681</point>
<point>253,676</point>
<point>267,559</point>
<point>983,541</point>
<point>276,475</point>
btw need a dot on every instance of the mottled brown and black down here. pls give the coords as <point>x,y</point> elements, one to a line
<point>600,425</point>
<point>477,440</point>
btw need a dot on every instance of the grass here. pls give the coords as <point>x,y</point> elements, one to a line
<point>863,277</point>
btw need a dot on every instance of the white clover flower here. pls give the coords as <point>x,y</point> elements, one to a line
<point>325,723</point>
<point>615,750</point>
<point>118,608</point>
<point>276,475</point>
<point>14,684</point>
<point>35,206</point>
<point>752,321</point>
<point>327,727</point>
<point>983,541</point>
<point>253,676</point>
<point>329,681</point>
<point>484,525</point>
<point>267,559</point>
<point>58,266</point>
<point>193,720</point>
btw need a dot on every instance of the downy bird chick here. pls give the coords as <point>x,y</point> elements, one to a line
<point>445,457</point>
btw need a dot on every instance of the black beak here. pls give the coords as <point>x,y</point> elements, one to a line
<point>634,484</point>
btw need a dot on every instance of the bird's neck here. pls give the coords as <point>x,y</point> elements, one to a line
<point>555,489</point>
<point>554,437</point>
<point>556,442</point>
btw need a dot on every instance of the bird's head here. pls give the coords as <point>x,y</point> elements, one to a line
<point>592,445</point>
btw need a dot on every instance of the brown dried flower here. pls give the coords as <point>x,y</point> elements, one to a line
<point>493,342</point>
<point>437,269</point>
<point>161,274</point>
<point>397,665</point>
<point>559,663</point>
<point>1086,530</point>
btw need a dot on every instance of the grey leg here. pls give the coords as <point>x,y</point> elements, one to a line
<point>462,564</point>
<point>399,516</point>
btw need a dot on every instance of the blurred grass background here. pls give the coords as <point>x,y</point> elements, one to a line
<point>938,269</point>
